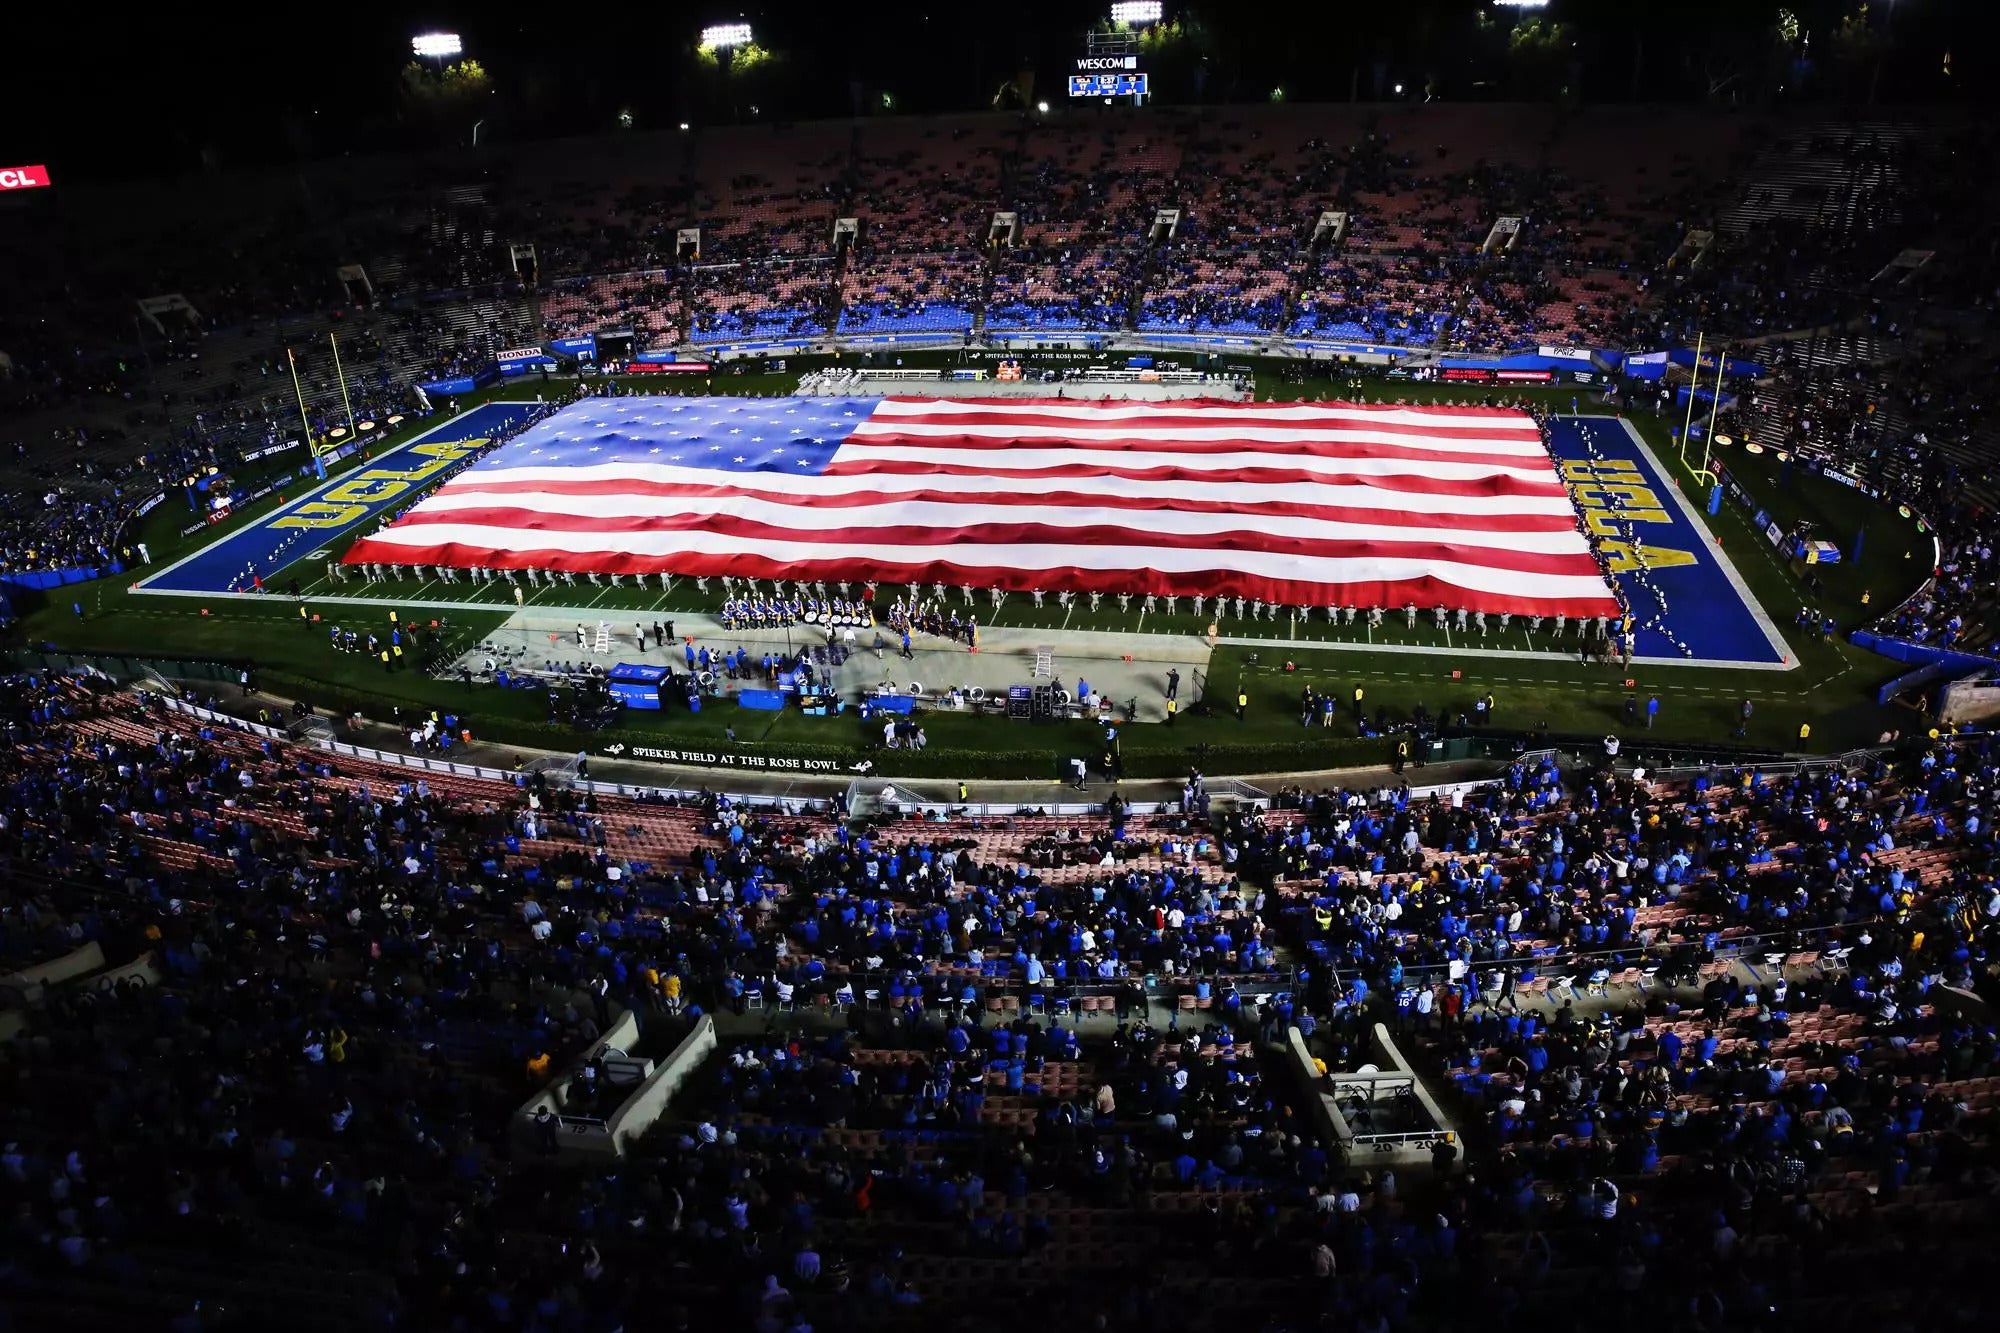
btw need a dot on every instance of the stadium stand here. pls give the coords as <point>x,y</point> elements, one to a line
<point>1609,197</point>
<point>1724,1021</point>
<point>1719,1046</point>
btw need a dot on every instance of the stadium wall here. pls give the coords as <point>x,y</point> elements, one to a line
<point>1970,702</point>
<point>644,1108</point>
<point>582,1136</point>
<point>44,580</point>
<point>1919,654</point>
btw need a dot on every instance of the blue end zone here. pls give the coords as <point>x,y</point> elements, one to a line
<point>1688,602</point>
<point>328,512</point>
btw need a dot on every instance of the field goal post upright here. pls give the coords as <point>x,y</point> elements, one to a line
<point>1706,472</point>
<point>1694,383</point>
<point>319,448</point>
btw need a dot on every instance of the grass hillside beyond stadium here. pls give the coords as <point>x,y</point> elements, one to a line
<point>1832,686</point>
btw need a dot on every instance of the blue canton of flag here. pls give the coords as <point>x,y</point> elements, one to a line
<point>797,436</point>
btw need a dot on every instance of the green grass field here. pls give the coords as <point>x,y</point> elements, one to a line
<point>1832,686</point>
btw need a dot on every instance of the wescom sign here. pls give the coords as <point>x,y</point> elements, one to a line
<point>23,178</point>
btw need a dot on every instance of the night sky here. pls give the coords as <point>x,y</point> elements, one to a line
<point>137,91</point>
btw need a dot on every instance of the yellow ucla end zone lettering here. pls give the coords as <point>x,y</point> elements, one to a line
<point>1686,603</point>
<point>259,549</point>
<point>350,500</point>
<point>1614,499</point>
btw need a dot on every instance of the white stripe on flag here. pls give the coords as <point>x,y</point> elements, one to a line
<point>1012,558</point>
<point>951,521</point>
<point>1355,496</point>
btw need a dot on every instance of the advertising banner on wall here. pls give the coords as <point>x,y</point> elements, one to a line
<point>667,367</point>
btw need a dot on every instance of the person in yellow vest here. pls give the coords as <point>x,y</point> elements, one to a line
<point>398,651</point>
<point>1805,732</point>
<point>385,659</point>
<point>1359,694</point>
<point>538,1067</point>
<point>1242,703</point>
<point>672,990</point>
<point>1323,918</point>
<point>1173,706</point>
<point>305,616</point>
<point>1402,755</point>
<point>392,617</point>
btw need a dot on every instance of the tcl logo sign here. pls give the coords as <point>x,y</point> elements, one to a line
<point>23,178</point>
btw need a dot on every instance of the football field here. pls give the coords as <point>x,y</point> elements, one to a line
<point>1690,605</point>
<point>309,528</point>
<point>1728,598</point>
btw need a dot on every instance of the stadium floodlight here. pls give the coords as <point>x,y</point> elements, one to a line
<point>1523,4</point>
<point>436,45</point>
<point>1136,12</point>
<point>722,36</point>
<point>1042,107</point>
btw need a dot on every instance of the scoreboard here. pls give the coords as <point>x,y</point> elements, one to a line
<point>1124,84</point>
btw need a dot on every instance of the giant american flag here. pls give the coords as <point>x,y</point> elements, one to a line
<point>1304,504</point>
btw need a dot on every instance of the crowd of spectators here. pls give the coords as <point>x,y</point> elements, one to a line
<point>778,299</point>
<point>1824,1094</point>
<point>331,982</point>
<point>1608,201</point>
<point>909,293</point>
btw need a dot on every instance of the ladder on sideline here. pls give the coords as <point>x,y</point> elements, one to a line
<point>603,637</point>
<point>1045,663</point>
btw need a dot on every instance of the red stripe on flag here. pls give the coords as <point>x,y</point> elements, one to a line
<point>466,486</point>
<point>1408,483</point>
<point>527,522</point>
<point>1423,592</point>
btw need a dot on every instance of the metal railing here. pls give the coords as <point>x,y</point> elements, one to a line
<point>1775,768</point>
<point>1390,1140</point>
<point>1369,1087</point>
<point>872,987</point>
<point>1582,964</point>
